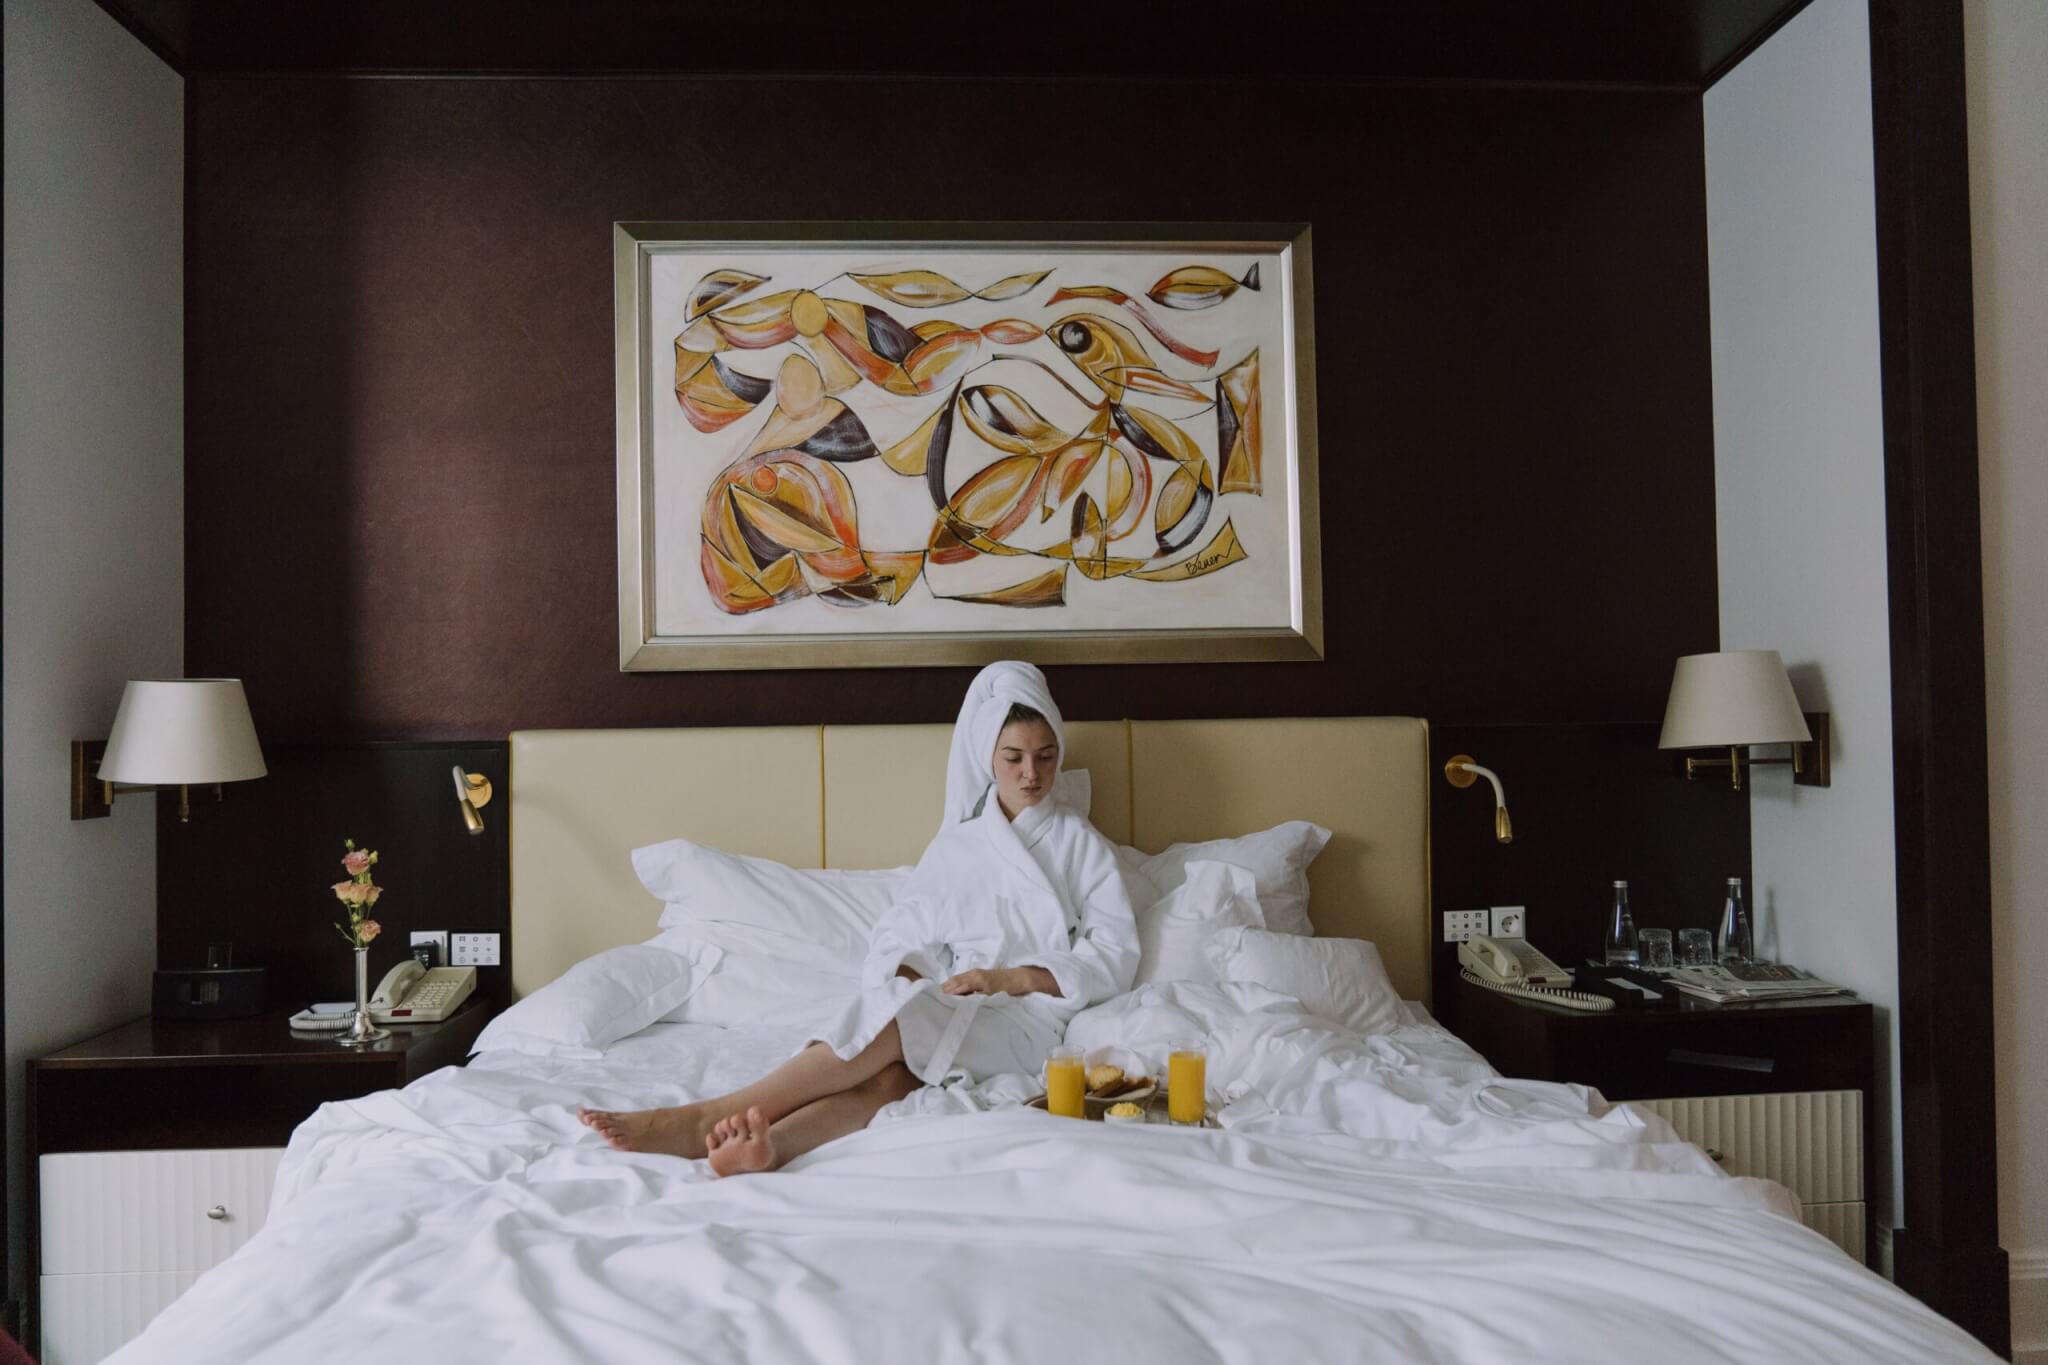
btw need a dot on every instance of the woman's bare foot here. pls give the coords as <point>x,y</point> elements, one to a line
<point>681,1131</point>
<point>742,1143</point>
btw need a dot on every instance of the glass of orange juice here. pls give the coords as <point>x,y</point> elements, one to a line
<point>1187,1080</point>
<point>1066,1083</point>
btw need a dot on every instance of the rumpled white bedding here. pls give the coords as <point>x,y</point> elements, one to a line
<point>1383,1198</point>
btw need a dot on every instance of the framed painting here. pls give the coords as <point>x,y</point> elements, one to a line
<point>852,444</point>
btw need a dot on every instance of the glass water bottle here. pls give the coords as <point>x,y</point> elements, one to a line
<point>1621,931</point>
<point>1734,943</point>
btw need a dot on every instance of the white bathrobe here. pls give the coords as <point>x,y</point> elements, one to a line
<point>1043,890</point>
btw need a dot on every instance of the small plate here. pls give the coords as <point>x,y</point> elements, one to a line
<point>1099,1104</point>
<point>1099,1108</point>
<point>1132,1065</point>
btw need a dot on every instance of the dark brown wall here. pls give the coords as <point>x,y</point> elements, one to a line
<point>399,447</point>
<point>1589,803</point>
<point>256,869</point>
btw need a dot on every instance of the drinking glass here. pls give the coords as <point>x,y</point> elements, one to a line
<point>1695,948</point>
<point>1656,948</point>
<point>1066,1083</point>
<point>1187,1080</point>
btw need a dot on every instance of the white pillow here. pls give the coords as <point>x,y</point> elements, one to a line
<point>599,1001</point>
<point>1277,858</point>
<point>754,990</point>
<point>751,940</point>
<point>1174,931</point>
<point>1340,979</point>
<point>833,909</point>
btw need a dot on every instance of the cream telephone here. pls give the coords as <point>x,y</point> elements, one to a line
<point>412,994</point>
<point>1513,967</point>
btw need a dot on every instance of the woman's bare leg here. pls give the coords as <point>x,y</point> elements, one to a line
<point>685,1129</point>
<point>747,1141</point>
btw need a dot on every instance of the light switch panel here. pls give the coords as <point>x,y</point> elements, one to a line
<point>1460,925</point>
<point>473,950</point>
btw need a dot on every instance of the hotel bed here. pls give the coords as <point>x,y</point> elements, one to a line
<point>1374,1191</point>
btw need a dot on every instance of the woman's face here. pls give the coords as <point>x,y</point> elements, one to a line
<point>1027,759</point>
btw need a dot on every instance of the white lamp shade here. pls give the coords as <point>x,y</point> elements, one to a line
<point>1737,697</point>
<point>182,732</point>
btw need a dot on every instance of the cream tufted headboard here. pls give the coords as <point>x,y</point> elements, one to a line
<point>870,796</point>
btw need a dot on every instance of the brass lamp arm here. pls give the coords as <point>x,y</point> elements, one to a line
<point>1461,771</point>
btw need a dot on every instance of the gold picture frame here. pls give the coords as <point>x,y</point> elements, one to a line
<point>739,536</point>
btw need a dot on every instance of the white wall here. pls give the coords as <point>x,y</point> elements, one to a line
<point>94,489</point>
<point>2007,55</point>
<point>1799,493</point>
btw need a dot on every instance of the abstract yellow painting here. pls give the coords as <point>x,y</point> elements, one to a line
<point>861,446</point>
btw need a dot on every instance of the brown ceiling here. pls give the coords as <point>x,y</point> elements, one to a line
<point>1684,44</point>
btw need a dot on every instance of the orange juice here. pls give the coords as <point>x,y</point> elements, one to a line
<point>1187,1078</point>
<point>1066,1084</point>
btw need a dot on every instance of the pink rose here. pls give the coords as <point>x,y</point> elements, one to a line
<point>357,862</point>
<point>374,892</point>
<point>349,893</point>
<point>368,930</point>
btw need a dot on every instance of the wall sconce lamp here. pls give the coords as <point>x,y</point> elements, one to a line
<point>472,790</point>
<point>1737,698</point>
<point>168,732</point>
<point>1461,771</point>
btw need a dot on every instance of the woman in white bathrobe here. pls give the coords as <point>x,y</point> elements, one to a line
<point>1015,919</point>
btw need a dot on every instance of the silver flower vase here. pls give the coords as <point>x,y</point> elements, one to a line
<point>360,1030</point>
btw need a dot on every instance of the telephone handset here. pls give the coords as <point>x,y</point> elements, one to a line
<point>412,994</point>
<point>1514,967</point>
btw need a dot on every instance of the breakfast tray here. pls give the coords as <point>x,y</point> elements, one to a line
<point>1155,1111</point>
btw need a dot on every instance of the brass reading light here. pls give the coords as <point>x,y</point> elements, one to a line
<point>1461,771</point>
<point>472,790</point>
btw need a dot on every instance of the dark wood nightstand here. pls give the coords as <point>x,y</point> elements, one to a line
<point>1697,1049</point>
<point>163,1137</point>
<point>1779,1089</point>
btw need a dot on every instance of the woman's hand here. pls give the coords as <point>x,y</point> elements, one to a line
<point>1003,981</point>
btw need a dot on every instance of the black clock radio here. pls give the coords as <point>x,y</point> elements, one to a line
<point>207,992</point>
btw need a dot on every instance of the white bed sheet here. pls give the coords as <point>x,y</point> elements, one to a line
<point>1383,1198</point>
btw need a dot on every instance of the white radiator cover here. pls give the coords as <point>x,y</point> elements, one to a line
<point>124,1233</point>
<point>86,1318</point>
<point>1841,1224</point>
<point>1811,1142</point>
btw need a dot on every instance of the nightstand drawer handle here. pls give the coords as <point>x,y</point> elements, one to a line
<point>218,1213</point>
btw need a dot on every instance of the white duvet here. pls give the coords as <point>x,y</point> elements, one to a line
<point>1384,1198</point>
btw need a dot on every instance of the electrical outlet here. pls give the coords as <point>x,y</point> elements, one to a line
<point>1460,925</point>
<point>473,950</point>
<point>1509,921</point>
<point>437,937</point>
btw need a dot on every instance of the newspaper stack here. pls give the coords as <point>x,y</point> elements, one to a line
<point>1751,981</point>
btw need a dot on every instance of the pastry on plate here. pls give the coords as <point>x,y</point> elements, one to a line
<point>1105,1079</point>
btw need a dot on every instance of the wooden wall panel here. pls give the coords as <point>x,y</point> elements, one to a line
<point>1589,803</point>
<point>399,477</point>
<point>258,868</point>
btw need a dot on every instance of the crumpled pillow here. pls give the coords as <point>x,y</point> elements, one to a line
<point>1339,979</point>
<point>1277,858</point>
<point>600,1000</point>
<point>1174,931</point>
<point>832,909</point>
